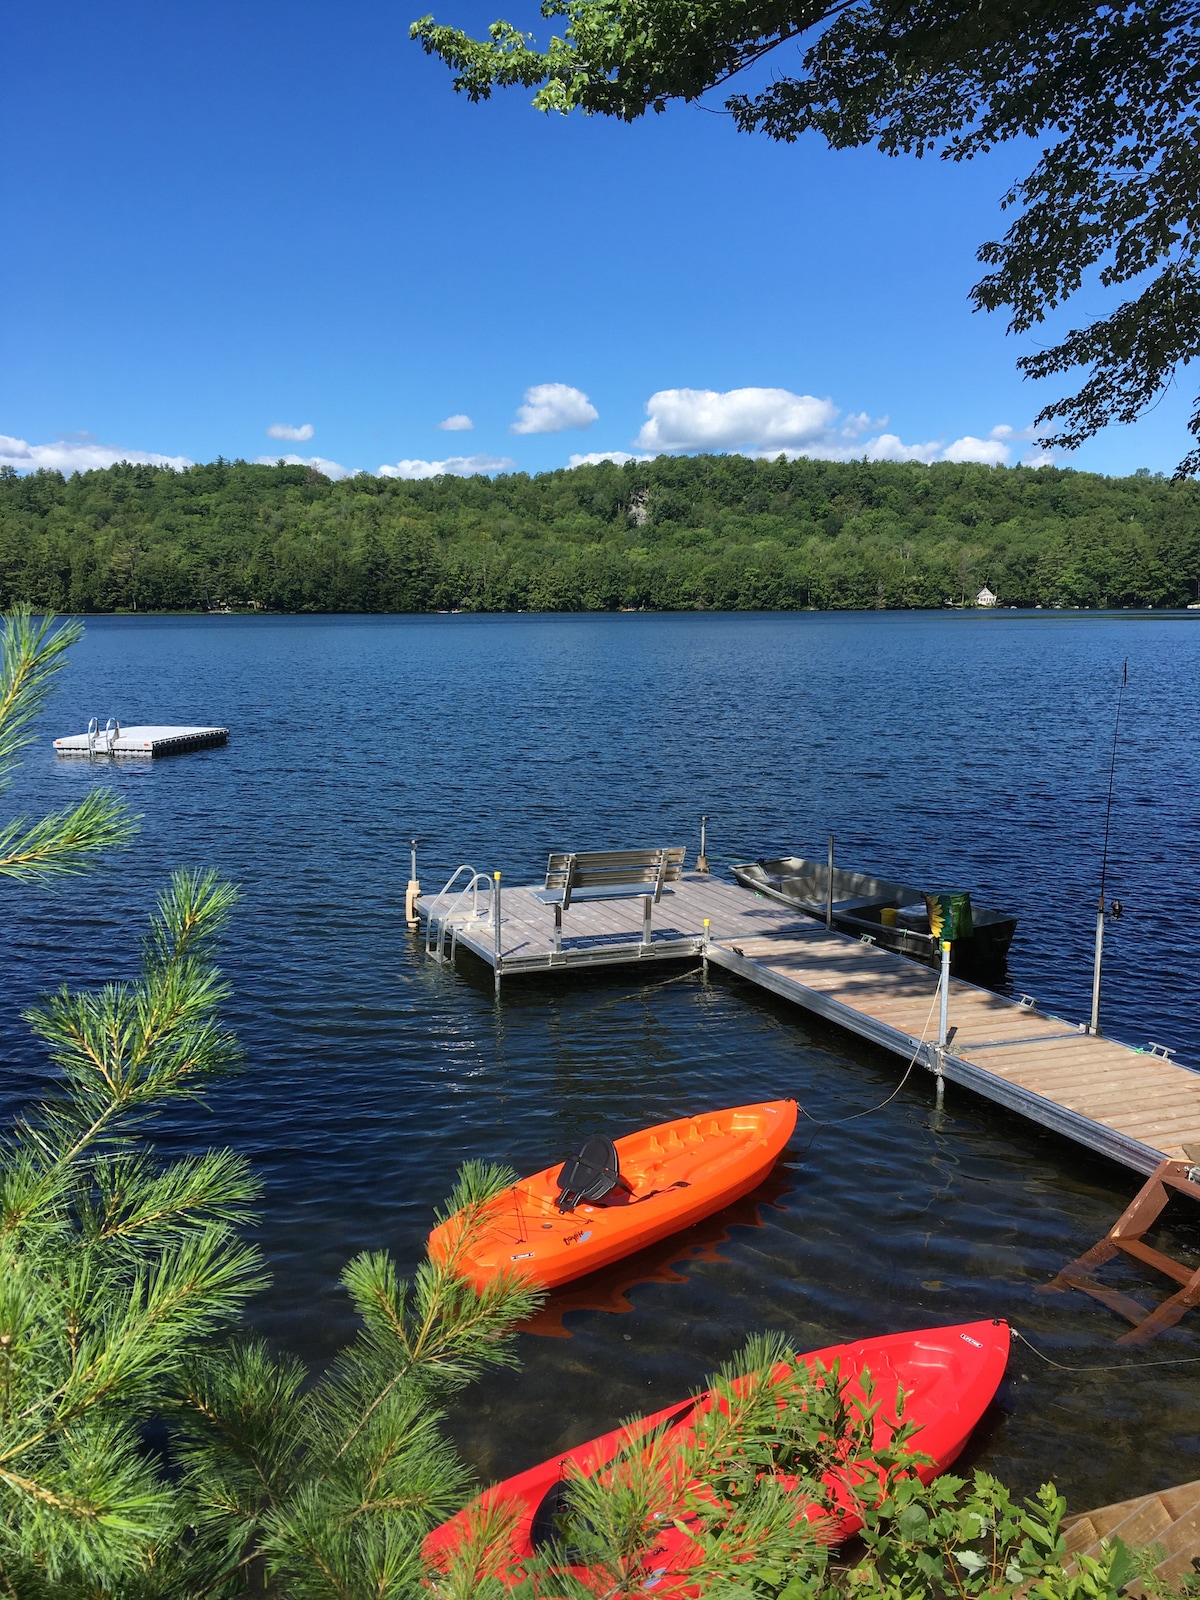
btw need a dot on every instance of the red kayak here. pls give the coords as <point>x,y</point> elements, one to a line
<point>949,1376</point>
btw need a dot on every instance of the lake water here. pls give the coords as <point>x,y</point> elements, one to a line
<point>967,750</point>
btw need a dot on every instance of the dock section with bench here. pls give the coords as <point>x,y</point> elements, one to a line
<point>1138,1107</point>
<point>609,875</point>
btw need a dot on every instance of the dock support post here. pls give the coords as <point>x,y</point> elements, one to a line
<point>1099,957</point>
<point>647,912</point>
<point>943,1020</point>
<point>702,858</point>
<point>496,924</point>
<point>704,944</point>
<point>829,889</point>
<point>413,893</point>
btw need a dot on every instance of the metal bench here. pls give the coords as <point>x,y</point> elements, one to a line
<point>609,875</point>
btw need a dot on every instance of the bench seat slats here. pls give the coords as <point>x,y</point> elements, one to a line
<point>609,875</point>
<point>630,878</point>
<point>560,859</point>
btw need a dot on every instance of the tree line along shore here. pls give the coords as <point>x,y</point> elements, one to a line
<point>700,532</point>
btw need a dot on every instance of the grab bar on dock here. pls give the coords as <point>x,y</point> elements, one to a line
<point>447,920</point>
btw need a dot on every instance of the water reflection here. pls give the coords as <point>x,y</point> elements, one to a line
<point>608,1289</point>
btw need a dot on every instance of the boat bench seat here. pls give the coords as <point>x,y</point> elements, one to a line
<point>870,902</point>
<point>609,875</point>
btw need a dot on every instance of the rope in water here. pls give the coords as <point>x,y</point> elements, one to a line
<point>836,1122</point>
<point>1122,1366</point>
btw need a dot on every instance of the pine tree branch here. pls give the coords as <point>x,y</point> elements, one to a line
<point>30,655</point>
<point>63,842</point>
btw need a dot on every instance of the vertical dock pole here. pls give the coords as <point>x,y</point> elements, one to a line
<point>1096,964</point>
<point>496,923</point>
<point>943,1018</point>
<point>413,893</point>
<point>704,943</point>
<point>702,858</point>
<point>829,889</point>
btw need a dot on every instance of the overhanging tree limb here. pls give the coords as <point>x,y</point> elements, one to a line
<point>1109,91</point>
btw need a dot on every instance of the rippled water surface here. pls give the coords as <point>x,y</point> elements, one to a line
<point>963,749</point>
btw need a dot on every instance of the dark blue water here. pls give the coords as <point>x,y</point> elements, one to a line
<point>963,749</point>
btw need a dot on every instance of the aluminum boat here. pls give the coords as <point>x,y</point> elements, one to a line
<point>893,915</point>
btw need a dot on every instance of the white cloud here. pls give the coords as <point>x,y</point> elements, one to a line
<point>551,407</point>
<point>331,469</point>
<point>889,447</point>
<point>458,423</point>
<point>859,423</point>
<point>763,419</point>
<point>78,452</point>
<point>284,430</point>
<point>595,457</point>
<point>992,452</point>
<point>1032,458</point>
<point>453,467</point>
<point>767,423</point>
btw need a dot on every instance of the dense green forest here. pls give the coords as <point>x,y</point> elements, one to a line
<point>720,532</point>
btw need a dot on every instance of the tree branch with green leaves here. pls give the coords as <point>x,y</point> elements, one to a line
<point>32,651</point>
<point>1110,93</point>
<point>114,1264</point>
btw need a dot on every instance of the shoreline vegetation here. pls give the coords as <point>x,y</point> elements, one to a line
<point>723,533</point>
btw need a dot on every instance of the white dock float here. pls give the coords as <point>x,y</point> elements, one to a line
<point>142,741</point>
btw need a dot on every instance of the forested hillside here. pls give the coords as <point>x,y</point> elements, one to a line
<point>721,532</point>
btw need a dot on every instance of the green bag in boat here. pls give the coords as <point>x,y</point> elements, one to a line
<point>950,916</point>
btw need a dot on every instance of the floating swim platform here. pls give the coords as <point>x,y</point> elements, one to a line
<point>670,1176</point>
<point>949,1377</point>
<point>140,741</point>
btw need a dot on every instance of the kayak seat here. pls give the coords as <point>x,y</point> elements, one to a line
<point>549,1518</point>
<point>549,1523</point>
<point>592,1173</point>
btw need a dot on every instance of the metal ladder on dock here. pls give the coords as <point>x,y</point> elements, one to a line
<point>445,924</point>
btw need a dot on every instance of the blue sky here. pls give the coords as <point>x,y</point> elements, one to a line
<point>224,218</point>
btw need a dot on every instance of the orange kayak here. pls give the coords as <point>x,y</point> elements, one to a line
<point>663,1179</point>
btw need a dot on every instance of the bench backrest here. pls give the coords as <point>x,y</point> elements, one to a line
<point>614,869</point>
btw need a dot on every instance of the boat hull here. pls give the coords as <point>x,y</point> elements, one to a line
<point>679,1172</point>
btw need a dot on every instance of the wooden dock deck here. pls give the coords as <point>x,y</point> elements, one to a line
<point>1133,1106</point>
<point>1169,1519</point>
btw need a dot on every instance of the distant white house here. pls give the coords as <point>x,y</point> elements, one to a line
<point>985,597</point>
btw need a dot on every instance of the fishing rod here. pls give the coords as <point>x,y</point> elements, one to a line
<point>1116,907</point>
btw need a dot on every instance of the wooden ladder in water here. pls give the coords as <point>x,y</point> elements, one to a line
<point>1128,1235</point>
